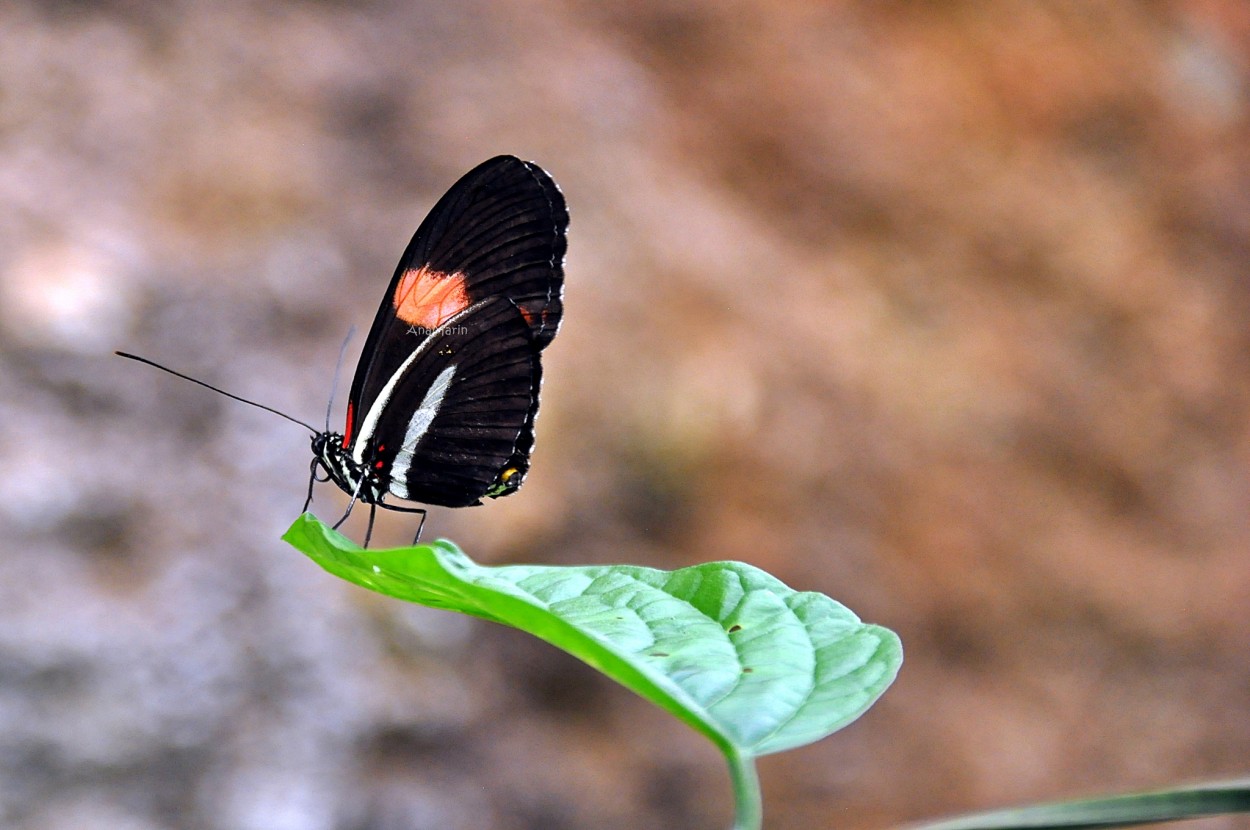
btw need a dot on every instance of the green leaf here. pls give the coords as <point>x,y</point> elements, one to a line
<point>1114,811</point>
<point>752,664</point>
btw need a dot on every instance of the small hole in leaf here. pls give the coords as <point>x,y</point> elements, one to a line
<point>734,627</point>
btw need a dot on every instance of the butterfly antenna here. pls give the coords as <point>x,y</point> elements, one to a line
<point>338,368</point>
<point>215,389</point>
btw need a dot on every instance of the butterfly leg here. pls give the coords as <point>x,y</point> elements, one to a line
<point>351,504</point>
<point>347,513</point>
<point>420,510</point>
<point>373,512</point>
<point>312,479</point>
<point>420,525</point>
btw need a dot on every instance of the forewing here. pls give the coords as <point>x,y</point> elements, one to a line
<point>498,232</point>
<point>449,427</point>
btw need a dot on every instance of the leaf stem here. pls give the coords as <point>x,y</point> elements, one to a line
<point>748,808</point>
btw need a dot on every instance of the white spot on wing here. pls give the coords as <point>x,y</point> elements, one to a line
<point>417,428</point>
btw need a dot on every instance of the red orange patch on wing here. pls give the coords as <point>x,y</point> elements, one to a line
<point>428,298</point>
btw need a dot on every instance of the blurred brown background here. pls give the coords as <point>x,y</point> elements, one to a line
<point>938,308</point>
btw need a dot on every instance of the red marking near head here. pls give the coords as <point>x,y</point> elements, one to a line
<point>428,298</point>
<point>347,430</point>
<point>528,315</point>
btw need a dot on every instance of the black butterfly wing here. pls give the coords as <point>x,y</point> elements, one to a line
<point>498,232</point>
<point>448,428</point>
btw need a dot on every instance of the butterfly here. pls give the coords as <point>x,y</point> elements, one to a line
<point>445,395</point>
<point>444,399</point>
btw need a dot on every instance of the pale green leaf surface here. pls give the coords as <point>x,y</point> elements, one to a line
<point>754,665</point>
